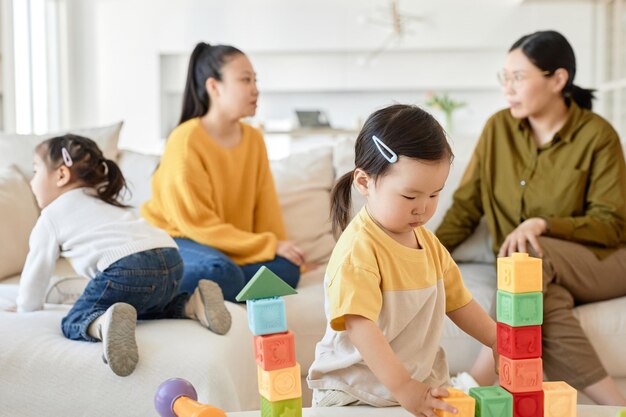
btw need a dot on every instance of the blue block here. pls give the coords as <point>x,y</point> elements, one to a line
<point>267,316</point>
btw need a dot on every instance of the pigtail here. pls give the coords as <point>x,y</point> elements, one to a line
<point>111,189</point>
<point>341,203</point>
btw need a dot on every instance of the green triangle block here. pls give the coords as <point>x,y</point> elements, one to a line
<point>264,284</point>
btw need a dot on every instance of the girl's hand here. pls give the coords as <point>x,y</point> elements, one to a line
<point>496,357</point>
<point>288,249</point>
<point>420,400</point>
<point>528,231</point>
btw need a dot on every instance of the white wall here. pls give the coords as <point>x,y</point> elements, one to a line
<point>306,54</point>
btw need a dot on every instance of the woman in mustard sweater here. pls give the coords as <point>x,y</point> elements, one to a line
<point>213,190</point>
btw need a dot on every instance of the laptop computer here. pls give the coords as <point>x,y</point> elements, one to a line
<point>312,118</point>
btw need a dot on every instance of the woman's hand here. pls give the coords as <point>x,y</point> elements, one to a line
<point>525,233</point>
<point>289,250</point>
<point>420,400</point>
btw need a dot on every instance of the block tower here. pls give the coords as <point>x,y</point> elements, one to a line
<point>274,348</point>
<point>520,315</point>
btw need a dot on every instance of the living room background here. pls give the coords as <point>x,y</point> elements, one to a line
<point>125,60</point>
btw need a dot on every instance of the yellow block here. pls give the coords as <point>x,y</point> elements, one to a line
<point>559,399</point>
<point>280,384</point>
<point>463,402</point>
<point>519,273</point>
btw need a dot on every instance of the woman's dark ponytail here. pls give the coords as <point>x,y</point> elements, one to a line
<point>582,96</point>
<point>206,62</point>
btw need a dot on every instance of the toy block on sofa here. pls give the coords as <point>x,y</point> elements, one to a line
<point>284,408</point>
<point>559,399</point>
<point>519,342</point>
<point>528,404</point>
<point>519,273</point>
<point>521,375</point>
<point>524,309</point>
<point>280,384</point>
<point>463,403</point>
<point>264,284</point>
<point>492,402</point>
<point>275,351</point>
<point>267,315</point>
<point>263,297</point>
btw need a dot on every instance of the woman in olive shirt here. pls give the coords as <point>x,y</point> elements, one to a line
<point>549,176</point>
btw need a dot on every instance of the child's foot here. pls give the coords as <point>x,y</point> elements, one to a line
<point>117,332</point>
<point>207,306</point>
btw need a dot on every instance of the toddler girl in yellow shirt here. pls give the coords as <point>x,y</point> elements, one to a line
<point>389,282</point>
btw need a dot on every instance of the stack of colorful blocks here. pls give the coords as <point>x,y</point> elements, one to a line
<point>522,392</point>
<point>274,348</point>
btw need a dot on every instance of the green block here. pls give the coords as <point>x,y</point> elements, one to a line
<point>285,408</point>
<point>492,402</point>
<point>522,309</point>
<point>264,284</point>
<point>621,413</point>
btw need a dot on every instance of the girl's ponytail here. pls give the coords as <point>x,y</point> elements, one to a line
<point>582,96</point>
<point>110,191</point>
<point>206,62</point>
<point>341,203</point>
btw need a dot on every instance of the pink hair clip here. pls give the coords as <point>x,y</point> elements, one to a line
<point>67,159</point>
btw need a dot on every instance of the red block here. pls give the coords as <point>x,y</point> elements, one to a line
<point>528,404</point>
<point>275,351</point>
<point>519,342</point>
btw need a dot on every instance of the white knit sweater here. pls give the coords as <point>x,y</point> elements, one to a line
<point>92,234</point>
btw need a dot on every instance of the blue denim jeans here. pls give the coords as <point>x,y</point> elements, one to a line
<point>205,262</point>
<point>149,281</point>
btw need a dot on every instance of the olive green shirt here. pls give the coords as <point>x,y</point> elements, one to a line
<point>577,182</point>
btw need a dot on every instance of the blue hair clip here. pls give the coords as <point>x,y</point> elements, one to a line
<point>392,157</point>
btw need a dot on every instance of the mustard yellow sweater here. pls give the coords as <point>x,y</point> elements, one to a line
<point>220,197</point>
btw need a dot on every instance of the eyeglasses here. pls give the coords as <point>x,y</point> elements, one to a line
<point>517,79</point>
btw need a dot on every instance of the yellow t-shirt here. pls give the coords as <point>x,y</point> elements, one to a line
<point>405,291</point>
<point>220,197</point>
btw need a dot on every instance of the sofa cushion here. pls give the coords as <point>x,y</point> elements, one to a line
<point>18,149</point>
<point>303,182</point>
<point>19,215</point>
<point>42,370</point>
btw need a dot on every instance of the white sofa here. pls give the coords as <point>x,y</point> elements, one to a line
<point>42,373</point>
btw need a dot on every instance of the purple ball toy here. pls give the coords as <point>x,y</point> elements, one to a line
<point>169,391</point>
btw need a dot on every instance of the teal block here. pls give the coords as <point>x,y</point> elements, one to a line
<point>492,402</point>
<point>522,309</point>
<point>285,408</point>
<point>267,316</point>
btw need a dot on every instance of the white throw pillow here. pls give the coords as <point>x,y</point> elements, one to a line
<point>19,214</point>
<point>18,149</point>
<point>303,182</point>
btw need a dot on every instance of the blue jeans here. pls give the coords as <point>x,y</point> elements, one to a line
<point>149,281</point>
<point>205,262</point>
